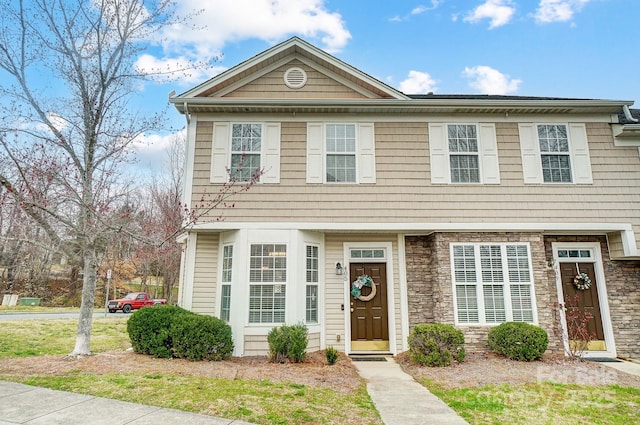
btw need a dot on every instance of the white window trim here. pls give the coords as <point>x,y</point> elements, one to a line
<point>222,282</point>
<point>269,154</point>
<point>287,306</point>
<point>578,153</point>
<point>317,153</point>
<point>391,298</point>
<point>488,163</point>
<point>479,285</point>
<point>603,298</point>
<point>307,283</point>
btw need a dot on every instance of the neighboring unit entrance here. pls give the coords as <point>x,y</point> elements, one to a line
<point>587,299</point>
<point>369,319</point>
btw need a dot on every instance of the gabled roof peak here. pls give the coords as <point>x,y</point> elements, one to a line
<point>294,46</point>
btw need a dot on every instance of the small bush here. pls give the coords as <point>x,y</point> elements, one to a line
<point>436,344</point>
<point>149,329</point>
<point>288,342</point>
<point>518,341</point>
<point>200,337</point>
<point>331,354</point>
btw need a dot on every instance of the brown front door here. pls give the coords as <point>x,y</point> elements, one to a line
<point>369,319</point>
<point>587,299</point>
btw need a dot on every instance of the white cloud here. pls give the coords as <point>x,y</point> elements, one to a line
<point>418,83</point>
<point>490,81</point>
<point>418,10</point>
<point>499,12</point>
<point>175,69</point>
<point>557,10</point>
<point>221,22</point>
<point>151,150</point>
<point>421,9</point>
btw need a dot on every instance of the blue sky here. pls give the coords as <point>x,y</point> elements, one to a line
<point>562,48</point>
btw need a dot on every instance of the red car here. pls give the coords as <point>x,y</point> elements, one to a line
<point>133,301</point>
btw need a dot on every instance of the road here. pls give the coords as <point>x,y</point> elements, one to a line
<point>44,315</point>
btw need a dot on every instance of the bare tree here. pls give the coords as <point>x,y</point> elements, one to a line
<point>66,119</point>
<point>160,216</point>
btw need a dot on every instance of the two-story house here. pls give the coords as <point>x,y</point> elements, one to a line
<point>471,210</point>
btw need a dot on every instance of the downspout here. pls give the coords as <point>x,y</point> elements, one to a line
<point>627,114</point>
<point>188,116</point>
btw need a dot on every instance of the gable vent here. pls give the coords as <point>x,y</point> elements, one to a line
<point>295,78</point>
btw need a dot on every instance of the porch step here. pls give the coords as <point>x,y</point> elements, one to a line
<point>367,359</point>
<point>602,359</point>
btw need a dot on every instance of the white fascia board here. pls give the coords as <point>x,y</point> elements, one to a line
<point>507,106</point>
<point>292,43</point>
<point>626,229</point>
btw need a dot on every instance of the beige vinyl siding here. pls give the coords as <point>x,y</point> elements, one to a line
<point>335,286</point>
<point>318,86</point>
<point>403,192</point>
<point>205,276</point>
<point>257,345</point>
<point>616,247</point>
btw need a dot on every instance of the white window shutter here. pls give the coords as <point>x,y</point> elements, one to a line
<point>315,152</point>
<point>580,154</point>
<point>489,152</point>
<point>439,153</point>
<point>271,152</point>
<point>530,152</point>
<point>220,152</point>
<point>366,153</point>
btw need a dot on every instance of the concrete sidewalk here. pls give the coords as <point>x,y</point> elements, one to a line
<point>400,399</point>
<point>23,404</point>
<point>631,367</point>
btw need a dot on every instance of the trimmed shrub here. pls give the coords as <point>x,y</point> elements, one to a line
<point>149,329</point>
<point>436,344</point>
<point>331,355</point>
<point>288,342</point>
<point>200,337</point>
<point>518,341</point>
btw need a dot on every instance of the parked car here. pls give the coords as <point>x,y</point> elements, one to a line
<point>133,301</point>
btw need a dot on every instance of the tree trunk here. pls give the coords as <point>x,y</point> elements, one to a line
<point>83,337</point>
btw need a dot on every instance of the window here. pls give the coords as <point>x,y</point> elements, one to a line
<point>493,283</point>
<point>239,149</point>
<point>575,253</point>
<point>341,153</point>
<point>554,153</point>
<point>367,253</point>
<point>312,285</point>
<point>267,283</point>
<point>463,153</point>
<point>246,149</point>
<point>225,296</point>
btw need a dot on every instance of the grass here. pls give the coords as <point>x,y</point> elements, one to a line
<point>38,337</point>
<point>36,309</point>
<point>267,402</point>
<point>257,401</point>
<point>543,403</point>
<point>262,402</point>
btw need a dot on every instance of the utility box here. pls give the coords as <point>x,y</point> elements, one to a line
<point>29,301</point>
<point>10,300</point>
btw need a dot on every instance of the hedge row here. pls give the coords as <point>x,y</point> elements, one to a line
<point>169,331</point>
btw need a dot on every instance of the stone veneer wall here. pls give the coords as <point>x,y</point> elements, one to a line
<point>622,280</point>
<point>430,291</point>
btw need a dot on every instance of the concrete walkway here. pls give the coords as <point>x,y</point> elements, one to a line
<point>630,367</point>
<point>400,399</point>
<point>23,404</point>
